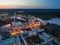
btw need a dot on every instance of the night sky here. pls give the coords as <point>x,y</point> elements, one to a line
<point>41,4</point>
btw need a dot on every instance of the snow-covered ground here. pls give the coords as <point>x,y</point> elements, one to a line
<point>54,21</point>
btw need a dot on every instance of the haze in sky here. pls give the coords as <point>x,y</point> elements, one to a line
<point>42,4</point>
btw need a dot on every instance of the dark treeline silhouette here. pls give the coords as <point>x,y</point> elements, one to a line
<point>52,29</point>
<point>3,22</point>
<point>42,13</point>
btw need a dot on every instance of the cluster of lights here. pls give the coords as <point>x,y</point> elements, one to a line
<point>32,24</point>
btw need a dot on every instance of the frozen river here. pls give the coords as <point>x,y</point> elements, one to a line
<point>54,21</point>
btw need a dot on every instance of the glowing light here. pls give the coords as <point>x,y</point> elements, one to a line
<point>33,24</point>
<point>15,32</point>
